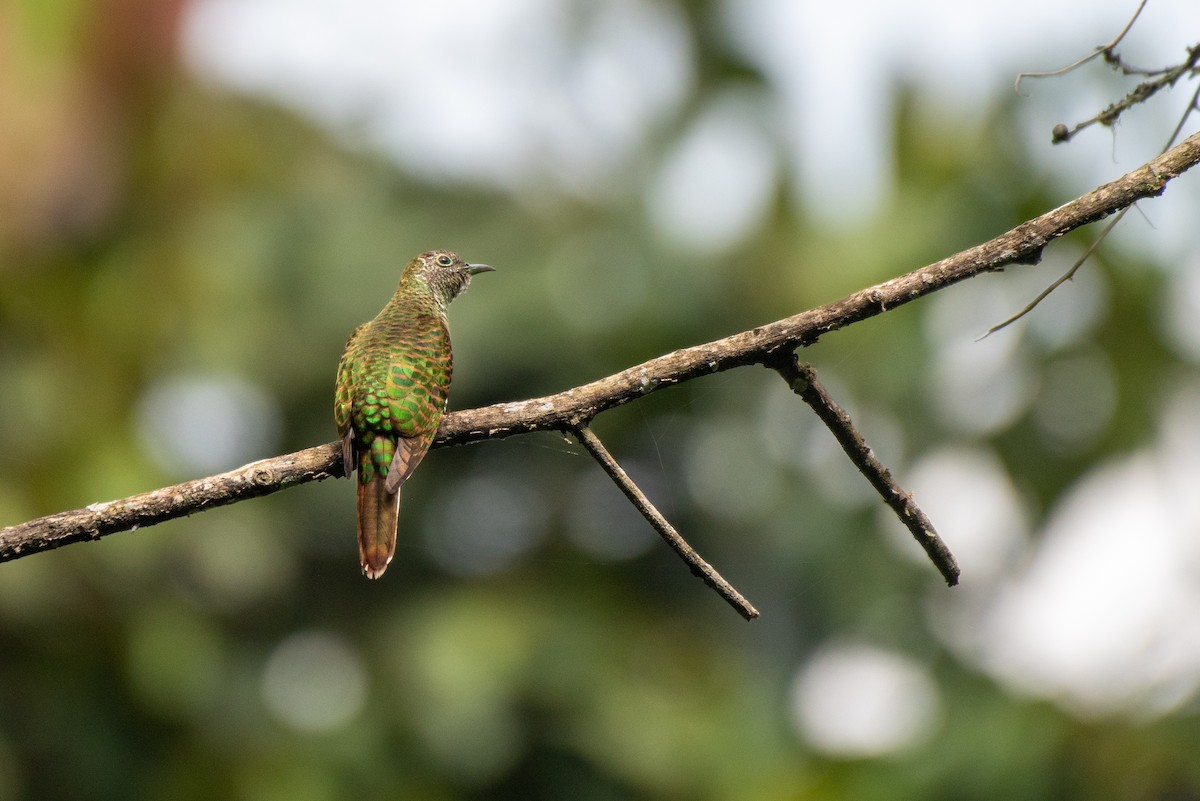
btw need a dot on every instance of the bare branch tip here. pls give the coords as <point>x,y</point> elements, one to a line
<point>839,423</point>
<point>707,573</point>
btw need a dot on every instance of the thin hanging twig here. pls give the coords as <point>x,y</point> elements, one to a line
<point>1062,279</point>
<point>672,537</point>
<point>803,381</point>
<point>1100,50</point>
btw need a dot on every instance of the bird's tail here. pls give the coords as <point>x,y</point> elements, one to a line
<point>378,514</point>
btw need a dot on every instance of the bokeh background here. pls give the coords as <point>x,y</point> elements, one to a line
<point>199,199</point>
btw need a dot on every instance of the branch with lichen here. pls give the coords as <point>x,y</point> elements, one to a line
<point>1158,80</point>
<point>1162,79</point>
<point>571,410</point>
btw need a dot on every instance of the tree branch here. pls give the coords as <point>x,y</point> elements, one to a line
<point>569,410</point>
<point>128,514</point>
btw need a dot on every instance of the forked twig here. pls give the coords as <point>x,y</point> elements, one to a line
<point>803,381</point>
<point>1166,79</point>
<point>672,537</point>
<point>1100,50</point>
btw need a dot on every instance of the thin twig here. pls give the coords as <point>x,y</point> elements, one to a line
<point>698,566</point>
<point>803,381</point>
<point>579,405</point>
<point>1062,279</point>
<point>1100,50</point>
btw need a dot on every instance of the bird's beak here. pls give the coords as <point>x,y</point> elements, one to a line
<point>475,269</point>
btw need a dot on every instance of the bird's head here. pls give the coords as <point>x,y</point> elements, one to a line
<point>444,272</point>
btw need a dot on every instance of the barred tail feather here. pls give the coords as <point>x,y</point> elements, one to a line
<point>378,514</point>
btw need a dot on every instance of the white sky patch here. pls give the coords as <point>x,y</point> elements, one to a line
<point>858,700</point>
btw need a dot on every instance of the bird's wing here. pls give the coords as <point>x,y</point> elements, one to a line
<point>417,385</point>
<point>409,453</point>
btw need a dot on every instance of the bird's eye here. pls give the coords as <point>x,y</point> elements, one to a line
<point>444,260</point>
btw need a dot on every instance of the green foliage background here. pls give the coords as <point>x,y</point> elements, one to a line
<point>225,240</point>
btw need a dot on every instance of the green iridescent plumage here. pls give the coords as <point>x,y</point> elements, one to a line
<point>392,384</point>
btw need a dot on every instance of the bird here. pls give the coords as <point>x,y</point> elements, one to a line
<point>392,384</point>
